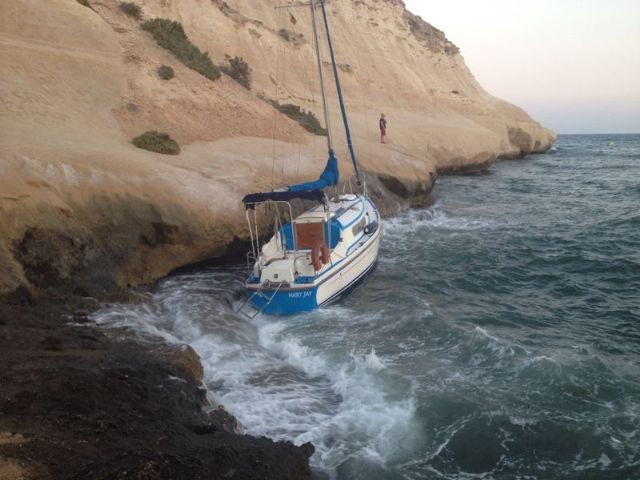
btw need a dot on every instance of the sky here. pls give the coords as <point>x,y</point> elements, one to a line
<point>574,65</point>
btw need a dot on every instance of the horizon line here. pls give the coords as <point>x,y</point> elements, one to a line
<point>610,133</point>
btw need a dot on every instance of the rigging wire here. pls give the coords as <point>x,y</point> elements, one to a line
<point>312,83</point>
<point>284,89</point>
<point>323,40</point>
<point>339,91</point>
<point>275,112</point>
<point>365,83</point>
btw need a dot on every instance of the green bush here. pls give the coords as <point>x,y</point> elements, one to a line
<point>131,9</point>
<point>239,70</point>
<point>170,35</point>
<point>84,3</point>
<point>166,72</point>
<point>157,142</point>
<point>307,120</point>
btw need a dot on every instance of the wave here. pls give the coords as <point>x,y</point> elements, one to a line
<point>482,349</point>
<point>276,385</point>
<point>354,417</point>
<point>431,218</point>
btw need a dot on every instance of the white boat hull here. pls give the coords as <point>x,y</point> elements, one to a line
<point>351,261</point>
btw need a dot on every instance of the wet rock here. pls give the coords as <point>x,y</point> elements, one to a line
<point>184,358</point>
<point>11,469</point>
<point>80,404</point>
<point>52,344</point>
<point>81,316</point>
<point>20,296</point>
<point>224,421</point>
<point>393,195</point>
<point>11,438</point>
<point>521,139</point>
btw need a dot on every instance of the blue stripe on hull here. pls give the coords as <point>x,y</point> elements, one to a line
<point>288,302</point>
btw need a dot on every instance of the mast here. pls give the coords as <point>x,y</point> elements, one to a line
<point>339,89</point>
<point>321,71</point>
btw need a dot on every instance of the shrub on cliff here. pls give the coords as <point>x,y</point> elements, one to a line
<point>296,38</point>
<point>238,69</point>
<point>84,3</point>
<point>170,35</point>
<point>131,9</point>
<point>284,33</point>
<point>165,72</point>
<point>306,119</point>
<point>157,142</point>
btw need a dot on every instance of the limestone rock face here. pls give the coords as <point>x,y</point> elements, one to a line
<point>83,210</point>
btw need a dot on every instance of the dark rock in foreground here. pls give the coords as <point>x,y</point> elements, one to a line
<point>76,403</point>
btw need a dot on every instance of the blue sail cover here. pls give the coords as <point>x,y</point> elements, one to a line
<point>305,191</point>
<point>329,178</point>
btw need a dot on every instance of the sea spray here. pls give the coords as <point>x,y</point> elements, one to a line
<point>265,375</point>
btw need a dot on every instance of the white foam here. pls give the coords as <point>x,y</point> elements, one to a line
<point>404,226</point>
<point>356,417</point>
<point>604,461</point>
<point>373,362</point>
<point>271,379</point>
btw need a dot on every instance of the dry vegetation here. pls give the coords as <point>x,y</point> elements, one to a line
<point>157,142</point>
<point>170,35</point>
<point>131,9</point>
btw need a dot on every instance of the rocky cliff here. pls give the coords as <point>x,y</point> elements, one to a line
<point>83,210</point>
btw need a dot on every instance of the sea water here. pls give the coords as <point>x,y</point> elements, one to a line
<point>498,338</point>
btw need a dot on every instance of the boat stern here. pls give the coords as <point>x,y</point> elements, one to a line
<point>283,301</point>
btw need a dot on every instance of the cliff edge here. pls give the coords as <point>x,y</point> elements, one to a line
<point>83,210</point>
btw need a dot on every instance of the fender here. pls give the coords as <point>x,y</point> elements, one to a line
<point>320,255</point>
<point>326,255</point>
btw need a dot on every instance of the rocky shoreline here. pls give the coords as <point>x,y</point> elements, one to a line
<point>81,401</point>
<point>78,401</point>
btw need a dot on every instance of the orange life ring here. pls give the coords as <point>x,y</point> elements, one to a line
<point>320,255</point>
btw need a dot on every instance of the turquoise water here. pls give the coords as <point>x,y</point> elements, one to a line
<point>498,338</point>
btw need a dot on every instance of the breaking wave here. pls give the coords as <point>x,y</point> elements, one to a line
<point>497,339</point>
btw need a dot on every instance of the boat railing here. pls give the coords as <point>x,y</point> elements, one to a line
<point>251,260</point>
<point>254,233</point>
<point>349,184</point>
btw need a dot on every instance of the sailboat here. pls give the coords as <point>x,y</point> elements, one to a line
<point>316,257</point>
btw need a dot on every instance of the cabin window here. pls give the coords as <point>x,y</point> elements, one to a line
<point>358,227</point>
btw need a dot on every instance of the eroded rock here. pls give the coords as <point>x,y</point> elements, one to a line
<point>101,406</point>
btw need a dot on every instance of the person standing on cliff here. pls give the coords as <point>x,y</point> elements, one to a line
<point>383,128</point>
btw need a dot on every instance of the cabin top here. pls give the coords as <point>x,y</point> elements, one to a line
<point>346,211</point>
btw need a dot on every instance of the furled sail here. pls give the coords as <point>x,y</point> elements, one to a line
<point>304,191</point>
<point>329,177</point>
